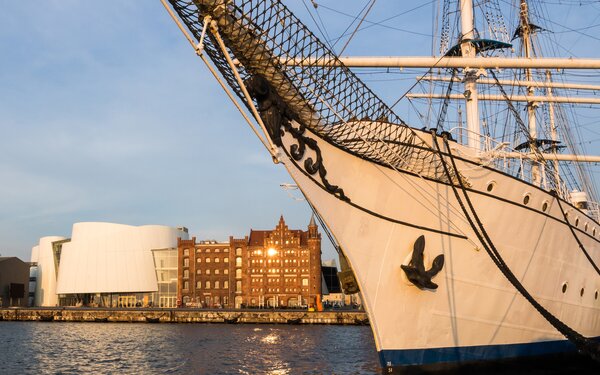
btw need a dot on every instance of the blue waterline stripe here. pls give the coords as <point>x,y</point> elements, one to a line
<point>473,353</point>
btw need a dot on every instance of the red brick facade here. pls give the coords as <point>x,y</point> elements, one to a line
<point>204,276</point>
<point>270,268</point>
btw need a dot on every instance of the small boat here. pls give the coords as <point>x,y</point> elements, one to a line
<point>152,320</point>
<point>46,317</point>
<point>232,320</point>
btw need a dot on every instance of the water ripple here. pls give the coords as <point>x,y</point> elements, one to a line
<point>125,348</point>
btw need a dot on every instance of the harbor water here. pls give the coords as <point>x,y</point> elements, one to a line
<point>141,348</point>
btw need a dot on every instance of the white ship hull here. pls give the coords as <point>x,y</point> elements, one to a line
<point>475,313</point>
<point>377,213</point>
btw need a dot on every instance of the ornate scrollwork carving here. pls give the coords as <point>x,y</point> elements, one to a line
<point>278,119</point>
<point>311,166</point>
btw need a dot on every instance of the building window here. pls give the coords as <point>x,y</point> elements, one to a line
<point>217,260</point>
<point>186,252</point>
<point>226,260</point>
<point>217,250</point>
<point>198,260</point>
<point>226,271</point>
<point>238,273</point>
<point>208,272</point>
<point>226,250</point>
<point>207,260</point>
<point>225,300</point>
<point>217,286</point>
<point>238,251</point>
<point>238,261</point>
<point>199,284</point>
<point>186,274</point>
<point>238,285</point>
<point>217,272</point>
<point>225,284</point>
<point>207,285</point>
<point>186,285</point>
<point>186,262</point>
<point>198,251</point>
<point>198,272</point>
<point>207,250</point>
<point>304,282</point>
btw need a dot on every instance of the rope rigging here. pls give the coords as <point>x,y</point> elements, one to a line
<point>583,344</point>
<point>587,255</point>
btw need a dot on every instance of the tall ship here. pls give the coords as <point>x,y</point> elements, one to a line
<point>473,236</point>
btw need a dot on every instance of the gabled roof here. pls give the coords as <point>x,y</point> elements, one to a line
<point>257,237</point>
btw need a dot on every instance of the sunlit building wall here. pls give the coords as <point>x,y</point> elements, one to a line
<point>279,268</point>
<point>45,287</point>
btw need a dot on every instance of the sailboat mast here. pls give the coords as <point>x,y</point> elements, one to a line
<point>468,50</point>
<point>531,105</point>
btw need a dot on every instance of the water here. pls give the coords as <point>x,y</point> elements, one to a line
<point>125,348</point>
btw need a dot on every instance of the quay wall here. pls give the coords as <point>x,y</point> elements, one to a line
<point>183,316</point>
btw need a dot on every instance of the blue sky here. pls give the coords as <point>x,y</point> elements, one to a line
<point>106,114</point>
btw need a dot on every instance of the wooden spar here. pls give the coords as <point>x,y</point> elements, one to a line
<point>515,98</point>
<point>546,156</point>
<point>505,82</point>
<point>447,62</point>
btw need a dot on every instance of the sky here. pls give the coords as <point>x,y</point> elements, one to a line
<point>106,114</point>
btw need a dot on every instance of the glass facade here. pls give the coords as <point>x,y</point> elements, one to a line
<point>165,263</point>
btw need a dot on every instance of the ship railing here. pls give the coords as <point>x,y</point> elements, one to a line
<point>594,210</point>
<point>494,153</point>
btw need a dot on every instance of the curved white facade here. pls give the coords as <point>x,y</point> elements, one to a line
<point>45,291</point>
<point>112,258</point>
<point>100,258</point>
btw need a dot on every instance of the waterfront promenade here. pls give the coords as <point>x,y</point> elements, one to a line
<point>185,315</point>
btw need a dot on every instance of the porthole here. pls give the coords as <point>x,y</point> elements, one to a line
<point>576,221</point>
<point>564,287</point>
<point>490,187</point>
<point>526,199</point>
<point>581,292</point>
<point>545,206</point>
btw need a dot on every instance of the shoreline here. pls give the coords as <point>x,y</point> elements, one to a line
<point>182,315</point>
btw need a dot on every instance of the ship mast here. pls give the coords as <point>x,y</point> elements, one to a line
<point>553,132</point>
<point>470,93</point>
<point>531,105</point>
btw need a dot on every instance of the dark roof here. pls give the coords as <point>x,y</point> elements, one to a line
<point>257,237</point>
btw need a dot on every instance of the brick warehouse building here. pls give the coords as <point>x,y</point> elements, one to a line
<point>269,268</point>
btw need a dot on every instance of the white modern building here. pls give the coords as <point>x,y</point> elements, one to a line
<point>42,257</point>
<point>107,264</point>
